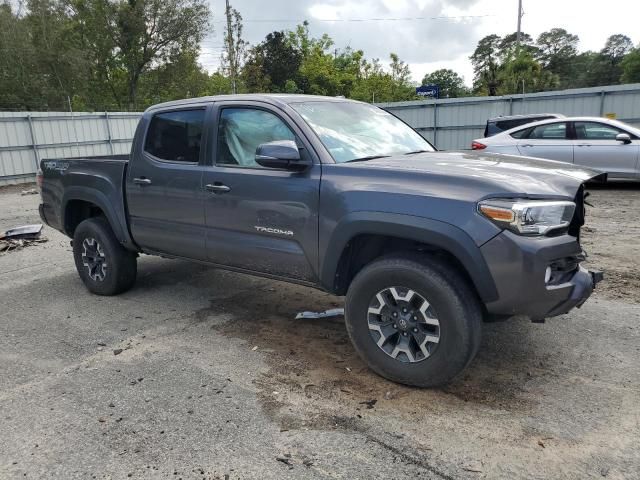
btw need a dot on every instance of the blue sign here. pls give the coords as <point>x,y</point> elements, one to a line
<point>428,91</point>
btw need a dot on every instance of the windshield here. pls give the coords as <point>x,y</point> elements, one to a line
<point>353,131</point>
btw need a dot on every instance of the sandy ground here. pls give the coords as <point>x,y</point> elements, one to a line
<point>217,380</point>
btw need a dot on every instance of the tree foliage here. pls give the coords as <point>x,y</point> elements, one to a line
<point>451,84</point>
<point>99,53</point>
<point>128,54</point>
<point>551,62</point>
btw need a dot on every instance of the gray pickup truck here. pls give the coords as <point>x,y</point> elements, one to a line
<point>342,196</point>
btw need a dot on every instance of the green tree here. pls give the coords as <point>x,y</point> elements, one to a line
<point>235,46</point>
<point>485,61</point>
<point>451,84</point>
<point>631,67</point>
<point>557,53</point>
<point>271,63</point>
<point>150,31</point>
<point>508,45</point>
<point>614,51</point>
<point>523,72</point>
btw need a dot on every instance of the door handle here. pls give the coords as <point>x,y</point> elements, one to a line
<point>142,181</point>
<point>583,145</point>
<point>526,145</point>
<point>217,187</point>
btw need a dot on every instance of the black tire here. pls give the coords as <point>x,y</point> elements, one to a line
<point>115,269</point>
<point>454,302</point>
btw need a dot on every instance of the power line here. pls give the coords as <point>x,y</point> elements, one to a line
<point>380,19</point>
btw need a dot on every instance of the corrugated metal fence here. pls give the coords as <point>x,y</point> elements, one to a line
<point>27,137</point>
<point>453,123</point>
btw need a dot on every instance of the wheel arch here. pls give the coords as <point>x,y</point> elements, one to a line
<point>364,236</point>
<point>80,203</point>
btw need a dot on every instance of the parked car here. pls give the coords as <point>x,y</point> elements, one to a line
<point>341,196</point>
<point>605,145</point>
<point>500,124</point>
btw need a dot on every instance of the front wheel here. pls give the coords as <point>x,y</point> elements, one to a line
<point>104,265</point>
<point>413,319</point>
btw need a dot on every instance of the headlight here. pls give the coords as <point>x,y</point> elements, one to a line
<point>528,217</point>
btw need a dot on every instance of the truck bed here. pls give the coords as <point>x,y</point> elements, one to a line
<point>97,180</point>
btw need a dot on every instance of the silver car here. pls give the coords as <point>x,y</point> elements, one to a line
<point>606,145</point>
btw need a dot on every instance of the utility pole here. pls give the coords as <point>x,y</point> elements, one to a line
<point>520,14</point>
<point>230,49</point>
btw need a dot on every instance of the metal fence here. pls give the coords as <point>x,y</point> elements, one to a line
<point>453,123</point>
<point>27,137</point>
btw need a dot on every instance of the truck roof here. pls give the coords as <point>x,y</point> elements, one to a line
<point>273,98</point>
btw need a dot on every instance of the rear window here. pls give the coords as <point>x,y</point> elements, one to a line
<point>175,136</point>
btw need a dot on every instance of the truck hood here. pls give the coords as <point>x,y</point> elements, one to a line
<point>497,173</point>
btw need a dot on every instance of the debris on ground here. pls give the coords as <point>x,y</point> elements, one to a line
<point>27,232</point>
<point>475,467</point>
<point>332,312</point>
<point>19,237</point>
<point>369,403</point>
<point>286,459</point>
<point>31,191</point>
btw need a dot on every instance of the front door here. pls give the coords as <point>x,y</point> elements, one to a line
<point>260,219</point>
<point>596,147</point>
<point>164,184</point>
<point>548,141</point>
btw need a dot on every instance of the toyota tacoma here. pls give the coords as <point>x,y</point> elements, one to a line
<point>341,196</point>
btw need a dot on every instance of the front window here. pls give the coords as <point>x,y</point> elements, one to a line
<point>352,131</point>
<point>596,131</point>
<point>242,130</point>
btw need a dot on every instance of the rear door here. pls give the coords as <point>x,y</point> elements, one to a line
<point>164,183</point>
<point>550,141</point>
<point>260,219</point>
<point>596,147</point>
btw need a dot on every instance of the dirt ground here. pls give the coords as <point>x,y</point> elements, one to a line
<point>216,379</point>
<point>612,238</point>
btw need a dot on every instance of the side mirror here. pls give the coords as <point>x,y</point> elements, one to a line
<point>283,154</point>
<point>623,137</point>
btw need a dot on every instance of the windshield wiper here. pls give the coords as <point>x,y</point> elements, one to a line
<point>417,151</point>
<point>364,159</point>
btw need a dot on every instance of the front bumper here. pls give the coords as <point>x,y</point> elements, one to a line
<point>519,265</point>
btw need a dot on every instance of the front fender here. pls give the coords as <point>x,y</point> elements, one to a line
<point>432,232</point>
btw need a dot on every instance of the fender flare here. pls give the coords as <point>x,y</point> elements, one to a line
<point>100,200</point>
<point>432,232</point>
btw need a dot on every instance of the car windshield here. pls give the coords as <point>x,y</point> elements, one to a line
<point>357,131</point>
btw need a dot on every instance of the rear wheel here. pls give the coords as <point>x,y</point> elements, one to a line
<point>413,319</point>
<point>105,267</point>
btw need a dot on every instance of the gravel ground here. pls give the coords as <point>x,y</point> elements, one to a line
<point>217,380</point>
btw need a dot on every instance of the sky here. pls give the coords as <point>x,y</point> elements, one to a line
<point>427,34</point>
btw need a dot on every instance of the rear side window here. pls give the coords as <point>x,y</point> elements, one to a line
<point>548,131</point>
<point>524,133</point>
<point>175,136</point>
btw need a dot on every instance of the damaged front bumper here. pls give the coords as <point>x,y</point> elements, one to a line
<point>537,277</point>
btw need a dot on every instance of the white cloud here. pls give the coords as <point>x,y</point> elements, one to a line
<point>428,44</point>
